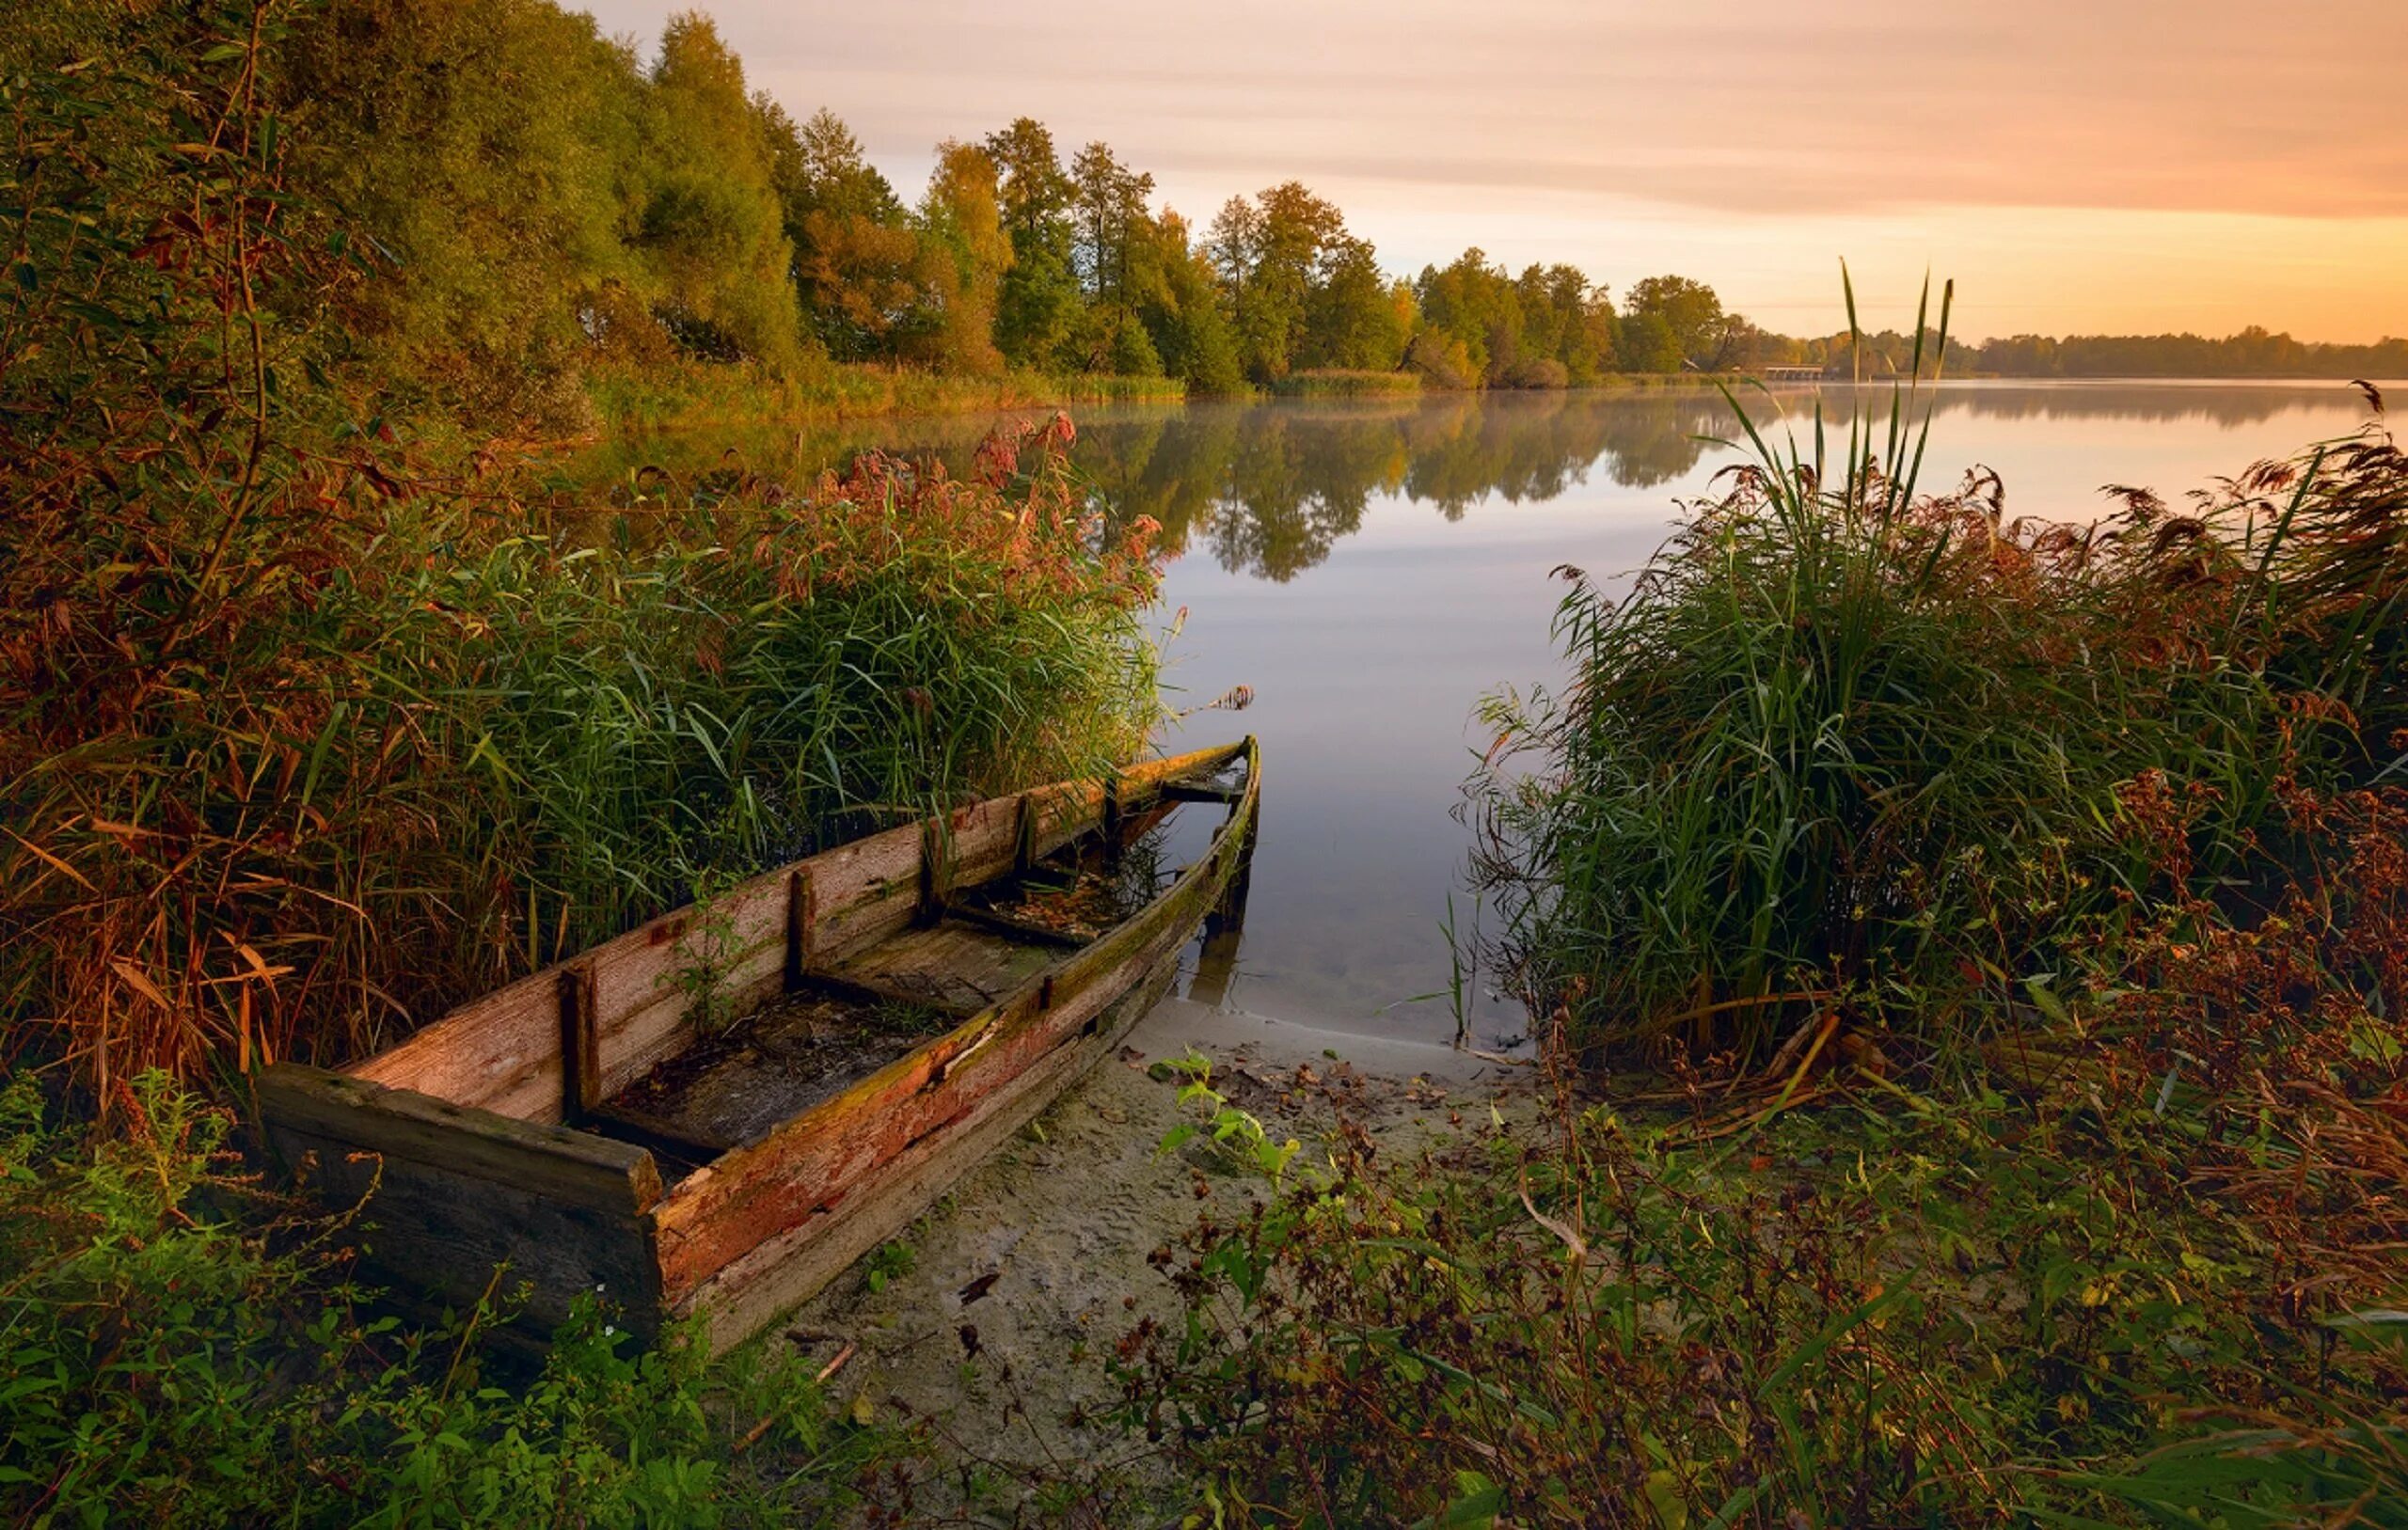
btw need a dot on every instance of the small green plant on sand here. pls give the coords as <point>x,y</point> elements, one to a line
<point>1235,1133</point>
<point>888,1263</point>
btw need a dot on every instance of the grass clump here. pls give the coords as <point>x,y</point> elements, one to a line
<point>183,1349</point>
<point>1340,383</point>
<point>1847,744</point>
<point>307,732</point>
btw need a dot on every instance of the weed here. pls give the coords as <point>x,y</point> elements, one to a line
<point>1846,747</point>
<point>1236,1135</point>
<point>888,1263</point>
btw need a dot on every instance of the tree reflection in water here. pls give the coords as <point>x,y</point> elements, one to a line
<point>1270,489</point>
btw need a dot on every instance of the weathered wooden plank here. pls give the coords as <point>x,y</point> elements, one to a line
<point>501,1052</point>
<point>789,1269</point>
<point>573,1167</point>
<point>580,1052</point>
<point>641,999</point>
<point>807,1167</point>
<point>954,961</point>
<point>1181,791</point>
<point>440,1234</point>
<point>860,992</point>
<point>1019,929</point>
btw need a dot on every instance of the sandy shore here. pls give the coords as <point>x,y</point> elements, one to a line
<point>995,1332</point>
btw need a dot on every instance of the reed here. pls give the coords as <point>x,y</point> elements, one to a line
<point>1335,383</point>
<point>1848,746</point>
<point>309,734</point>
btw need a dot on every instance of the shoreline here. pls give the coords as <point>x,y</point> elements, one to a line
<point>638,408</point>
<point>988,1321</point>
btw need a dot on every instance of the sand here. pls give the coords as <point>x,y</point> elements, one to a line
<point>994,1333</point>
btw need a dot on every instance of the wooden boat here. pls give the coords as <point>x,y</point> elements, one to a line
<point>717,1112</point>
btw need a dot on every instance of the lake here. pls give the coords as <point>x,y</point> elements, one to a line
<point>1372,569</point>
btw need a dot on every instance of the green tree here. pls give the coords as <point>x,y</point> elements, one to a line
<point>1185,313</point>
<point>860,271</point>
<point>483,151</point>
<point>1108,252</point>
<point>961,215</point>
<point>1354,316</point>
<point>711,228</point>
<point>1691,312</point>
<point>1269,252</point>
<point>1037,307</point>
<point>1475,309</point>
<point>1647,343</point>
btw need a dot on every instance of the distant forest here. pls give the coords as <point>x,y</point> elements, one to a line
<point>532,206</point>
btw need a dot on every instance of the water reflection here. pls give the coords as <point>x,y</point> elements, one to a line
<point>1371,569</point>
<point>1270,489</point>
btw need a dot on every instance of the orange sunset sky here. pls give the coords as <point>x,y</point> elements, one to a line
<point>2076,167</point>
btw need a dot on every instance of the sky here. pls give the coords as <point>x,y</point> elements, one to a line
<point>2075,166</point>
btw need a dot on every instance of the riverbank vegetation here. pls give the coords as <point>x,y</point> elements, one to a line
<point>1991,942</point>
<point>185,1347</point>
<point>311,731</point>
<point>315,724</point>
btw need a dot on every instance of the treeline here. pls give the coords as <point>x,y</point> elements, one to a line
<point>534,206</point>
<point>538,211</point>
<point>2253,352</point>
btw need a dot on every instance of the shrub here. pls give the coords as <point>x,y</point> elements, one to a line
<point>2160,1278</point>
<point>1544,372</point>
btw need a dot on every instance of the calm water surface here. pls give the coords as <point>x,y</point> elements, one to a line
<point>1371,570</point>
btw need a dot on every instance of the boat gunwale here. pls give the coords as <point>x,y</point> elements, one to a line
<point>932,1063</point>
<point>665,928</point>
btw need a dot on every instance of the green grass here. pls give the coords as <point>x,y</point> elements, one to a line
<point>673,397</point>
<point>1842,744</point>
<point>182,1349</point>
<point>1333,382</point>
<point>2139,1262</point>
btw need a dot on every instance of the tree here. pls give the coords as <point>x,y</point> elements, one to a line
<point>1108,201</point>
<point>1268,252</point>
<point>1354,316</point>
<point>485,150</point>
<point>1185,312</point>
<point>856,268</point>
<point>1037,307</point>
<point>1691,313</point>
<point>1473,306</point>
<point>1566,320</point>
<point>963,216</point>
<point>1647,343</point>
<point>711,226</point>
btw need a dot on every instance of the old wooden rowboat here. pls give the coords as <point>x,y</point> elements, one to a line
<point>719,1111</point>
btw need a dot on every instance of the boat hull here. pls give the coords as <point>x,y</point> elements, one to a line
<point>479,1151</point>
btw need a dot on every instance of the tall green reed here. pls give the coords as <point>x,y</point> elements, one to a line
<point>303,738</point>
<point>1847,745</point>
